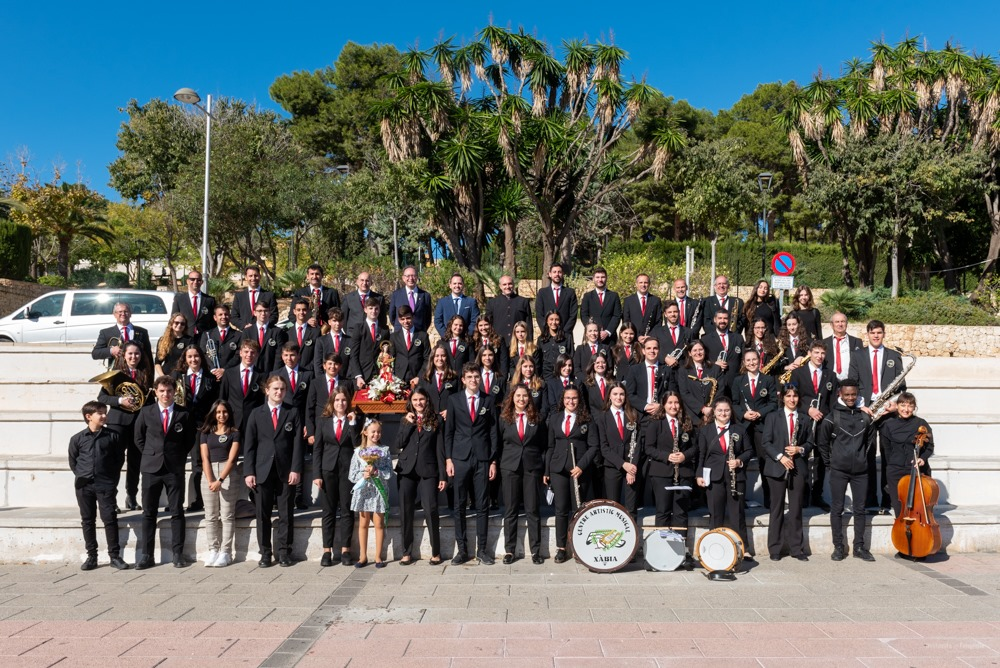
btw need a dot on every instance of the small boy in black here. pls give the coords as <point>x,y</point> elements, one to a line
<point>96,457</point>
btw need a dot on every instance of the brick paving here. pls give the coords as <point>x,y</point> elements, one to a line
<point>890,613</point>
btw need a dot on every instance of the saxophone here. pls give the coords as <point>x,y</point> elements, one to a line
<point>180,392</point>
<point>881,404</point>
<point>787,375</point>
<point>733,315</point>
<point>766,369</point>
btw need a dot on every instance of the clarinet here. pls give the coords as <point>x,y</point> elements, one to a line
<point>632,444</point>
<point>792,442</point>
<point>732,472</point>
<point>677,468</point>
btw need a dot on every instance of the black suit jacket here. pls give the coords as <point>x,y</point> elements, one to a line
<point>523,456</point>
<point>465,351</point>
<point>354,310</point>
<point>828,385</point>
<point>734,353</point>
<point>269,358</point>
<point>231,391</point>
<point>465,439</point>
<point>709,305</point>
<point>163,451</point>
<point>308,347</point>
<point>607,316</point>
<point>329,298</point>
<point>582,357</point>
<point>439,400</point>
<point>241,314</point>
<point>102,348</point>
<point>776,439</point>
<point>266,448</point>
<point>297,395</point>
<point>505,312</point>
<point>227,351</point>
<point>407,364</point>
<point>637,384</point>
<point>694,393</point>
<point>421,452</point>
<point>853,343</point>
<point>567,309</point>
<point>710,454</point>
<point>206,312</point>
<point>764,401</point>
<point>422,314</point>
<point>891,363</point>
<point>319,393</point>
<point>364,351</point>
<point>325,344</point>
<point>206,394</point>
<point>659,444</point>
<point>328,452</point>
<point>663,335</point>
<point>615,449</point>
<point>583,438</point>
<point>632,312</point>
<point>688,309</point>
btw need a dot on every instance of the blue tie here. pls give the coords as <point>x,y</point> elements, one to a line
<point>456,305</point>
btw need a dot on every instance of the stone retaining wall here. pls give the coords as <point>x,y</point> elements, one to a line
<point>15,294</point>
<point>937,340</point>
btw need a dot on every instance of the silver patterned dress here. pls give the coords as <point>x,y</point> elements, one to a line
<point>368,499</point>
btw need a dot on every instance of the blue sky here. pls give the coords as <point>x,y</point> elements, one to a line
<point>72,65</point>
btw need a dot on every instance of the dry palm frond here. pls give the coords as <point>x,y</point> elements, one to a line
<point>837,134</point>
<point>904,123</point>
<point>798,149</point>
<point>464,194</point>
<point>465,77</point>
<point>538,102</point>
<point>660,159</point>
<point>859,128</point>
<point>515,120</point>
<point>439,117</point>
<point>877,82</point>
<point>538,163</point>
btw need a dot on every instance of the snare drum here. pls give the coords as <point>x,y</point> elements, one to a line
<point>603,536</point>
<point>719,549</point>
<point>664,550</point>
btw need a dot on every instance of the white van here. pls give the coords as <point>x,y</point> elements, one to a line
<point>76,316</point>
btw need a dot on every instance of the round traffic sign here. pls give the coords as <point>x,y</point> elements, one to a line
<point>783,264</point>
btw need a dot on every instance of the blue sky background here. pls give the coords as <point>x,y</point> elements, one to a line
<point>72,65</point>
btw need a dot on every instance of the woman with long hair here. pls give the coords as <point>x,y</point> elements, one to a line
<point>124,410</point>
<point>420,471</point>
<point>222,484</point>
<point>627,351</point>
<point>439,380</point>
<point>492,380</point>
<point>521,346</point>
<point>338,433</point>
<point>171,345</point>
<point>486,336</point>
<point>552,343</point>
<point>457,344</point>
<point>762,305</point>
<point>525,374</point>
<point>523,440</point>
<point>804,307</point>
<point>762,340</point>
<point>621,449</point>
<point>200,391</point>
<point>563,377</point>
<point>795,341</point>
<point>597,380</point>
<point>694,386</point>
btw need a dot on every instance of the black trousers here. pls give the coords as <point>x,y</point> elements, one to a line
<point>818,478</point>
<point>725,510</point>
<point>412,487</point>
<point>780,523</point>
<point>562,491</point>
<point>90,499</point>
<point>672,505</point>
<point>471,479</point>
<point>153,485</point>
<point>194,482</point>
<point>617,489</point>
<point>839,482</point>
<point>133,457</point>
<point>275,487</point>
<point>518,487</point>
<point>878,478</point>
<point>758,447</point>
<point>336,493</point>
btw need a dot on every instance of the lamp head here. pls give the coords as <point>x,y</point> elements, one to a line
<point>764,181</point>
<point>187,96</point>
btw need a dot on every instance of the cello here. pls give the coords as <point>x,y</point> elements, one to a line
<point>916,533</point>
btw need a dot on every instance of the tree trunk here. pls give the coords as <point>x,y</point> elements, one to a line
<point>990,269</point>
<point>846,267</point>
<point>548,256</point>
<point>64,257</point>
<point>677,226</point>
<point>510,248</point>
<point>943,252</point>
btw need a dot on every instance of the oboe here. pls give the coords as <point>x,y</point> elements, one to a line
<point>793,441</point>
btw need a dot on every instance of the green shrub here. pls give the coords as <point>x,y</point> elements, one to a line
<point>435,279</point>
<point>15,250</point>
<point>286,283</point>
<point>852,303</point>
<point>116,279</point>
<point>218,286</point>
<point>931,308</point>
<point>342,273</point>
<point>88,277</point>
<point>53,281</point>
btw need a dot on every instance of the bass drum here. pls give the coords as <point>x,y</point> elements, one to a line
<point>664,550</point>
<point>603,536</point>
<point>719,549</point>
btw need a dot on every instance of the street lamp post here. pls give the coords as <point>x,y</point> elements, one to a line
<point>764,182</point>
<point>189,96</point>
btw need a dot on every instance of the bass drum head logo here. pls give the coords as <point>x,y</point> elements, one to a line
<point>603,536</point>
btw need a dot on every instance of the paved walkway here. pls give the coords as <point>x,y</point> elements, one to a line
<point>890,613</point>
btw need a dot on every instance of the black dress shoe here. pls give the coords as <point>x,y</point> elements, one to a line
<point>459,559</point>
<point>119,563</point>
<point>345,558</point>
<point>838,554</point>
<point>266,561</point>
<point>749,558</point>
<point>179,561</point>
<point>195,507</point>
<point>822,505</point>
<point>800,557</point>
<point>406,560</point>
<point>144,563</point>
<point>131,504</point>
<point>775,557</point>
<point>561,557</point>
<point>285,561</point>
<point>485,559</point>
<point>863,554</point>
<point>302,505</point>
<point>508,559</point>
<point>327,560</point>
<point>689,563</point>
<point>90,564</point>
<point>537,560</point>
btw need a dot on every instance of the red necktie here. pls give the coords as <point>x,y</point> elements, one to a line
<point>722,438</point>
<point>628,352</point>
<point>439,380</point>
<point>520,426</point>
<point>420,418</point>
<point>194,380</point>
<point>274,418</point>
<point>454,347</point>
<point>682,314</point>
<point>520,351</point>
<point>836,354</point>
<point>340,428</point>
<point>246,381</point>
<point>722,337</point>
<point>362,298</point>
<point>593,349</point>
<point>125,334</point>
<point>373,333</point>
<point>816,381</point>
<point>260,337</point>
<point>408,340</point>
<point>166,420</point>
<point>753,387</point>
<point>875,385</point>
<point>486,382</point>
<point>555,291</point>
<point>602,389</point>
<point>673,334</point>
<point>333,385</point>
<point>700,371</point>
<point>300,335</point>
<point>565,382</point>
<point>566,429</point>
<point>621,427</point>
<point>644,306</point>
<point>194,307</point>
<point>253,301</point>
<point>336,343</point>
<point>222,335</point>
<point>132,371</point>
<point>652,382</point>
<point>600,298</point>
<point>791,427</point>
<point>673,428</point>
<point>291,378</point>
<point>472,408</point>
<point>319,293</point>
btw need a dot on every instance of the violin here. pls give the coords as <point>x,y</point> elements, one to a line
<point>916,533</point>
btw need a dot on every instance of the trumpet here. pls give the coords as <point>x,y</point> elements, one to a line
<point>117,384</point>
<point>766,369</point>
<point>787,375</point>
<point>212,352</point>
<point>180,392</point>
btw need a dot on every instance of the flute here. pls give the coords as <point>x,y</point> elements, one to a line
<point>575,481</point>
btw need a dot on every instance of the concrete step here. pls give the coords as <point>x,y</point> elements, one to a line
<point>52,534</point>
<point>52,395</point>
<point>50,361</point>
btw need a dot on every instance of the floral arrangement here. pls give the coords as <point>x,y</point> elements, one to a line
<point>370,456</point>
<point>387,391</point>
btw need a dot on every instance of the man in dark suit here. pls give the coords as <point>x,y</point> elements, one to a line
<point>646,382</point>
<point>410,347</point>
<point>887,365</point>
<point>715,441</point>
<point>165,433</point>
<point>123,332</point>
<point>602,306</point>
<point>721,301</point>
<point>226,340</point>
<point>720,339</point>
<point>840,347</point>
<point>454,304</point>
<point>509,308</point>
<point>353,304</point>
<point>642,308</point>
<point>333,342</point>
<point>817,388</point>
<point>557,297</point>
<point>786,467</point>
<point>196,307</point>
<point>755,396</point>
<point>268,339</point>
<point>470,449</point>
<point>241,385</point>
<point>297,376</point>
<point>413,297</point>
<point>671,334</point>
<point>273,462</point>
<point>302,334</point>
<point>686,305</point>
<point>364,345</point>
<point>245,301</point>
<point>320,390</point>
<point>315,292</point>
